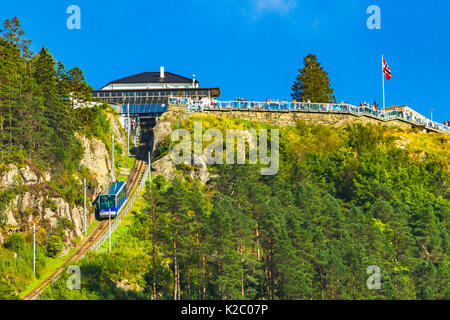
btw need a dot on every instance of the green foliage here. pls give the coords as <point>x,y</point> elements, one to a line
<point>65,224</point>
<point>50,204</point>
<point>54,246</point>
<point>6,291</point>
<point>41,115</point>
<point>344,199</point>
<point>80,90</point>
<point>93,122</point>
<point>6,196</point>
<point>312,83</point>
<point>15,242</point>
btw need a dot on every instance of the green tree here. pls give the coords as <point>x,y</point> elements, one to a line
<point>6,291</point>
<point>13,34</point>
<point>54,246</point>
<point>312,83</point>
<point>80,90</point>
<point>65,148</point>
<point>176,204</point>
<point>63,83</point>
<point>16,242</point>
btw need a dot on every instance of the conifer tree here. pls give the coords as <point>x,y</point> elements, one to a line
<point>312,83</point>
<point>65,147</point>
<point>176,205</point>
<point>63,83</point>
<point>80,90</point>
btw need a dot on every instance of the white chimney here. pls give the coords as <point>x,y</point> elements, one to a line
<point>161,72</point>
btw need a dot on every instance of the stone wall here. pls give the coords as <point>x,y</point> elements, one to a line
<point>290,118</point>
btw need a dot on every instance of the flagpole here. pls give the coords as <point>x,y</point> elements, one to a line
<point>382,76</point>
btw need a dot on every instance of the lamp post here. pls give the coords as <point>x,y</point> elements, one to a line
<point>109,242</point>
<point>129,128</point>
<point>34,250</point>
<point>431,111</point>
<point>112,160</point>
<point>150,169</point>
<point>84,208</point>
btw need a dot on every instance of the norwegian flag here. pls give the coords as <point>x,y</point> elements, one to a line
<point>386,70</point>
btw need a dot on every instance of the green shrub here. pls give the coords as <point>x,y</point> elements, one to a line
<point>54,246</point>
<point>6,291</point>
<point>16,242</point>
<point>3,219</point>
<point>50,204</point>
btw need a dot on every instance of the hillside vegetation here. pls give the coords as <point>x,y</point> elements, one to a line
<point>39,130</point>
<point>343,200</point>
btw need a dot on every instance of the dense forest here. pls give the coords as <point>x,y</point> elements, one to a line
<point>40,115</point>
<point>344,199</point>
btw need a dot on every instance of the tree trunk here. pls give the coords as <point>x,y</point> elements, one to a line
<point>270,269</point>
<point>204,278</point>
<point>199,288</point>
<point>257,244</point>
<point>241,250</point>
<point>189,284</point>
<point>175,287</point>
<point>179,284</point>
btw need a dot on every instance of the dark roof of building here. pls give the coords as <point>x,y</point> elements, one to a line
<point>153,77</point>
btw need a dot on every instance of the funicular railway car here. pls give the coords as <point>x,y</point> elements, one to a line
<point>111,200</point>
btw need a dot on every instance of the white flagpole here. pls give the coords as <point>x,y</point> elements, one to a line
<point>382,75</point>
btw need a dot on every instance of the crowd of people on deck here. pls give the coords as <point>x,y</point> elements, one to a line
<point>199,103</point>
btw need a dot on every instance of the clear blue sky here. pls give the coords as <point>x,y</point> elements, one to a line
<point>253,48</point>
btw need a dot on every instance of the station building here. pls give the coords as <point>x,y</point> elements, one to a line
<point>146,95</point>
<point>148,88</point>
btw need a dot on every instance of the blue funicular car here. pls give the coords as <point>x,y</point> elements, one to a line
<point>111,200</point>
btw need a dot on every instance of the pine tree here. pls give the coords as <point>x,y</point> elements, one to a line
<point>65,148</point>
<point>12,33</point>
<point>177,206</point>
<point>157,223</point>
<point>312,83</point>
<point>63,83</point>
<point>80,90</point>
<point>198,206</point>
<point>226,271</point>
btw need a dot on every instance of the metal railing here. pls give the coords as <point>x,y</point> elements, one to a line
<point>207,105</point>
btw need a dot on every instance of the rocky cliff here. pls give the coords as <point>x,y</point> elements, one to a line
<point>165,166</point>
<point>34,200</point>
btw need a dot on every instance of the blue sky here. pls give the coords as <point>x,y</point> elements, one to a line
<point>253,48</point>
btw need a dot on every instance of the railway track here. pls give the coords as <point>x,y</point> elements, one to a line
<point>133,179</point>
